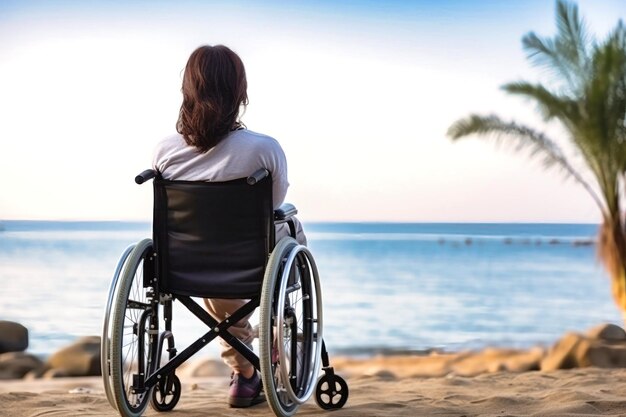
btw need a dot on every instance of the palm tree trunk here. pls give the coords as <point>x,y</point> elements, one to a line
<point>612,251</point>
<point>619,294</point>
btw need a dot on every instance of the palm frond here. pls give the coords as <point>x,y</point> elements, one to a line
<point>543,52</point>
<point>521,137</point>
<point>604,101</point>
<point>618,40</point>
<point>618,36</point>
<point>550,105</point>
<point>567,53</point>
<point>572,39</point>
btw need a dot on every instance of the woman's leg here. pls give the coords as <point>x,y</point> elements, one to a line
<point>220,309</point>
<point>282,230</point>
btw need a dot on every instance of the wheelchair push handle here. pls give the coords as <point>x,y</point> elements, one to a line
<point>146,175</point>
<point>257,176</point>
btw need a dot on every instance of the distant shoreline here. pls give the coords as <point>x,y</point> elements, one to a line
<point>313,222</point>
<point>456,234</point>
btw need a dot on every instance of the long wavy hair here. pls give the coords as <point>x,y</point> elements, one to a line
<point>214,89</point>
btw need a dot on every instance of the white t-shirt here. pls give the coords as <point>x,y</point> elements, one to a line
<point>238,155</point>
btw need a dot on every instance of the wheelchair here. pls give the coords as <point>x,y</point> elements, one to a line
<point>216,240</point>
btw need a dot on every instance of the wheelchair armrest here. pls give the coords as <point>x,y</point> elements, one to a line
<point>257,176</point>
<point>148,174</point>
<point>284,212</point>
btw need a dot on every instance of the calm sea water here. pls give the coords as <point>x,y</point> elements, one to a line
<point>386,287</point>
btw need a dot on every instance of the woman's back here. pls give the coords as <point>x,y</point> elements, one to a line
<point>238,155</point>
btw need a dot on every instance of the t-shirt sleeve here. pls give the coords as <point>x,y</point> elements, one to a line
<point>277,164</point>
<point>158,155</point>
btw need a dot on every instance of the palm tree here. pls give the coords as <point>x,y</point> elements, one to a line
<point>587,97</point>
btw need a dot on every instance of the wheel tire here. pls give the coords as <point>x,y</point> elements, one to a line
<point>330,397</point>
<point>124,342</point>
<point>105,353</point>
<point>298,306</point>
<point>166,402</point>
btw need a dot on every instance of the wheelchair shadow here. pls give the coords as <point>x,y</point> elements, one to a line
<point>370,396</point>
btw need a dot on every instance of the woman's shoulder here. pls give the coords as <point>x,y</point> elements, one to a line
<point>257,140</point>
<point>171,145</point>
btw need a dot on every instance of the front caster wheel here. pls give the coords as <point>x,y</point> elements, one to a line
<point>331,392</point>
<point>166,393</point>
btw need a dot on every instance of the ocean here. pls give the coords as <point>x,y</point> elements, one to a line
<point>387,287</point>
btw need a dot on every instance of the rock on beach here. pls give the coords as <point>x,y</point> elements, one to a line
<point>13,337</point>
<point>603,346</point>
<point>81,358</point>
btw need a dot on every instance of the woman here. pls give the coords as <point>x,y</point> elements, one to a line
<point>213,145</point>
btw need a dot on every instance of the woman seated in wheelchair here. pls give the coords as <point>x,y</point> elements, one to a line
<point>212,144</point>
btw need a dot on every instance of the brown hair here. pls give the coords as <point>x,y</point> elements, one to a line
<point>214,87</point>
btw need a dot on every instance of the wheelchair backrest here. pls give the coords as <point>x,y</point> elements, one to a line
<point>212,239</point>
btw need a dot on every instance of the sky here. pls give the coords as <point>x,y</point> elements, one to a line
<point>359,94</point>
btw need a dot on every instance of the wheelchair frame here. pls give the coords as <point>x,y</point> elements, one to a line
<point>288,381</point>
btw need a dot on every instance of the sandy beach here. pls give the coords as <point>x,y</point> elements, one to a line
<point>575,392</point>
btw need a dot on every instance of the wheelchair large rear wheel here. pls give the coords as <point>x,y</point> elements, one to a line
<point>132,341</point>
<point>105,353</point>
<point>290,327</point>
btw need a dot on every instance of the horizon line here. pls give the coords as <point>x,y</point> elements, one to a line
<point>319,221</point>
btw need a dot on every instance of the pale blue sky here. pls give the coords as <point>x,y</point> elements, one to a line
<point>360,95</point>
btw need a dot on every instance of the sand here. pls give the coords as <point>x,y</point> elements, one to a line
<point>576,392</point>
